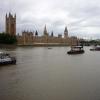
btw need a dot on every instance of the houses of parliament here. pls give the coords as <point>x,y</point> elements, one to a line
<point>33,38</point>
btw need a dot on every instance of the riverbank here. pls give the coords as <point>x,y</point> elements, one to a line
<point>44,44</point>
<point>8,46</point>
<point>2,46</point>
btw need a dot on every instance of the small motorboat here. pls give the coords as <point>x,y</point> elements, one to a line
<point>95,48</point>
<point>49,48</point>
<point>6,59</point>
<point>76,50</point>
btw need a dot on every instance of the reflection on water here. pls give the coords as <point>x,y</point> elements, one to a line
<point>51,74</point>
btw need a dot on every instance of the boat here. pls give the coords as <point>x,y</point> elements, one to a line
<point>49,48</point>
<point>6,59</point>
<point>95,48</point>
<point>76,50</point>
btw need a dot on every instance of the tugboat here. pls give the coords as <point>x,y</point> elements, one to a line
<point>76,50</point>
<point>6,59</point>
<point>95,48</point>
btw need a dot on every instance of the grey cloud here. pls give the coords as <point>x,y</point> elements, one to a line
<point>81,16</point>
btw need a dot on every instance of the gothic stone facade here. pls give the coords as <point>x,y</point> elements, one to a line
<point>31,38</point>
<point>28,38</point>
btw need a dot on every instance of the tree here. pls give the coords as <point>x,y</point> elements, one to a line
<point>7,39</point>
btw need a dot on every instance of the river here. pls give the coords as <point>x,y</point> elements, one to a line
<point>51,74</point>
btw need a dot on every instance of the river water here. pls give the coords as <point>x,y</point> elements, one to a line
<point>51,74</point>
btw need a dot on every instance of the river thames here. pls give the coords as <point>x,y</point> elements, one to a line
<point>51,74</point>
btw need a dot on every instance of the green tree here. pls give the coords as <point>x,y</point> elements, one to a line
<point>7,39</point>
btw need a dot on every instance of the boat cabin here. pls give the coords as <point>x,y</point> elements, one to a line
<point>77,48</point>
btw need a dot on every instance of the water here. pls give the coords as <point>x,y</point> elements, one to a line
<point>51,74</point>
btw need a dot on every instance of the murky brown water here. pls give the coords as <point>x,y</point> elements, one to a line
<point>51,74</point>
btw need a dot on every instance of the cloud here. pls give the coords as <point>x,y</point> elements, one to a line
<point>80,16</point>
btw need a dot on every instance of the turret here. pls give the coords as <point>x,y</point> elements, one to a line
<point>52,34</point>
<point>6,15</point>
<point>65,32</point>
<point>15,16</point>
<point>36,33</point>
<point>45,31</point>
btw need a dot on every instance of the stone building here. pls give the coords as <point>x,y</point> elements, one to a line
<point>10,24</point>
<point>31,38</point>
<point>28,38</point>
<point>65,32</point>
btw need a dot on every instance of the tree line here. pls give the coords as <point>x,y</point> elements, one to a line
<point>90,42</point>
<point>7,39</point>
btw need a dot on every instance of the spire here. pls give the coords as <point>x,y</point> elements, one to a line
<point>66,29</point>
<point>15,16</point>
<point>9,14</point>
<point>45,31</point>
<point>6,16</point>
<point>66,32</point>
<point>52,34</point>
<point>36,33</point>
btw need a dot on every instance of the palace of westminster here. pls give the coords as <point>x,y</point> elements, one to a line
<point>32,38</point>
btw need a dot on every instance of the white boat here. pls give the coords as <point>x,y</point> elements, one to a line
<point>6,59</point>
<point>95,48</point>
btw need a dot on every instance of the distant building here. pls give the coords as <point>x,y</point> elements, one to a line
<point>36,33</point>
<point>65,32</point>
<point>26,38</point>
<point>59,35</point>
<point>31,38</point>
<point>10,24</point>
<point>45,31</point>
<point>52,34</point>
<point>74,40</point>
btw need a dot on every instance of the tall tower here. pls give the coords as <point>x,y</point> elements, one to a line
<point>65,32</point>
<point>10,24</point>
<point>52,34</point>
<point>45,31</point>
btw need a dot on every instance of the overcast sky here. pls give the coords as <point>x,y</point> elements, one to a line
<point>82,17</point>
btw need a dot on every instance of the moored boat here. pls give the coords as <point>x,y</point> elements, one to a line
<point>49,48</point>
<point>6,59</point>
<point>95,48</point>
<point>76,50</point>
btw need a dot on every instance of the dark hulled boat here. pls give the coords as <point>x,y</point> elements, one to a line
<point>76,50</point>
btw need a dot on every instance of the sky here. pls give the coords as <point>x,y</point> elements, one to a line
<point>82,17</point>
